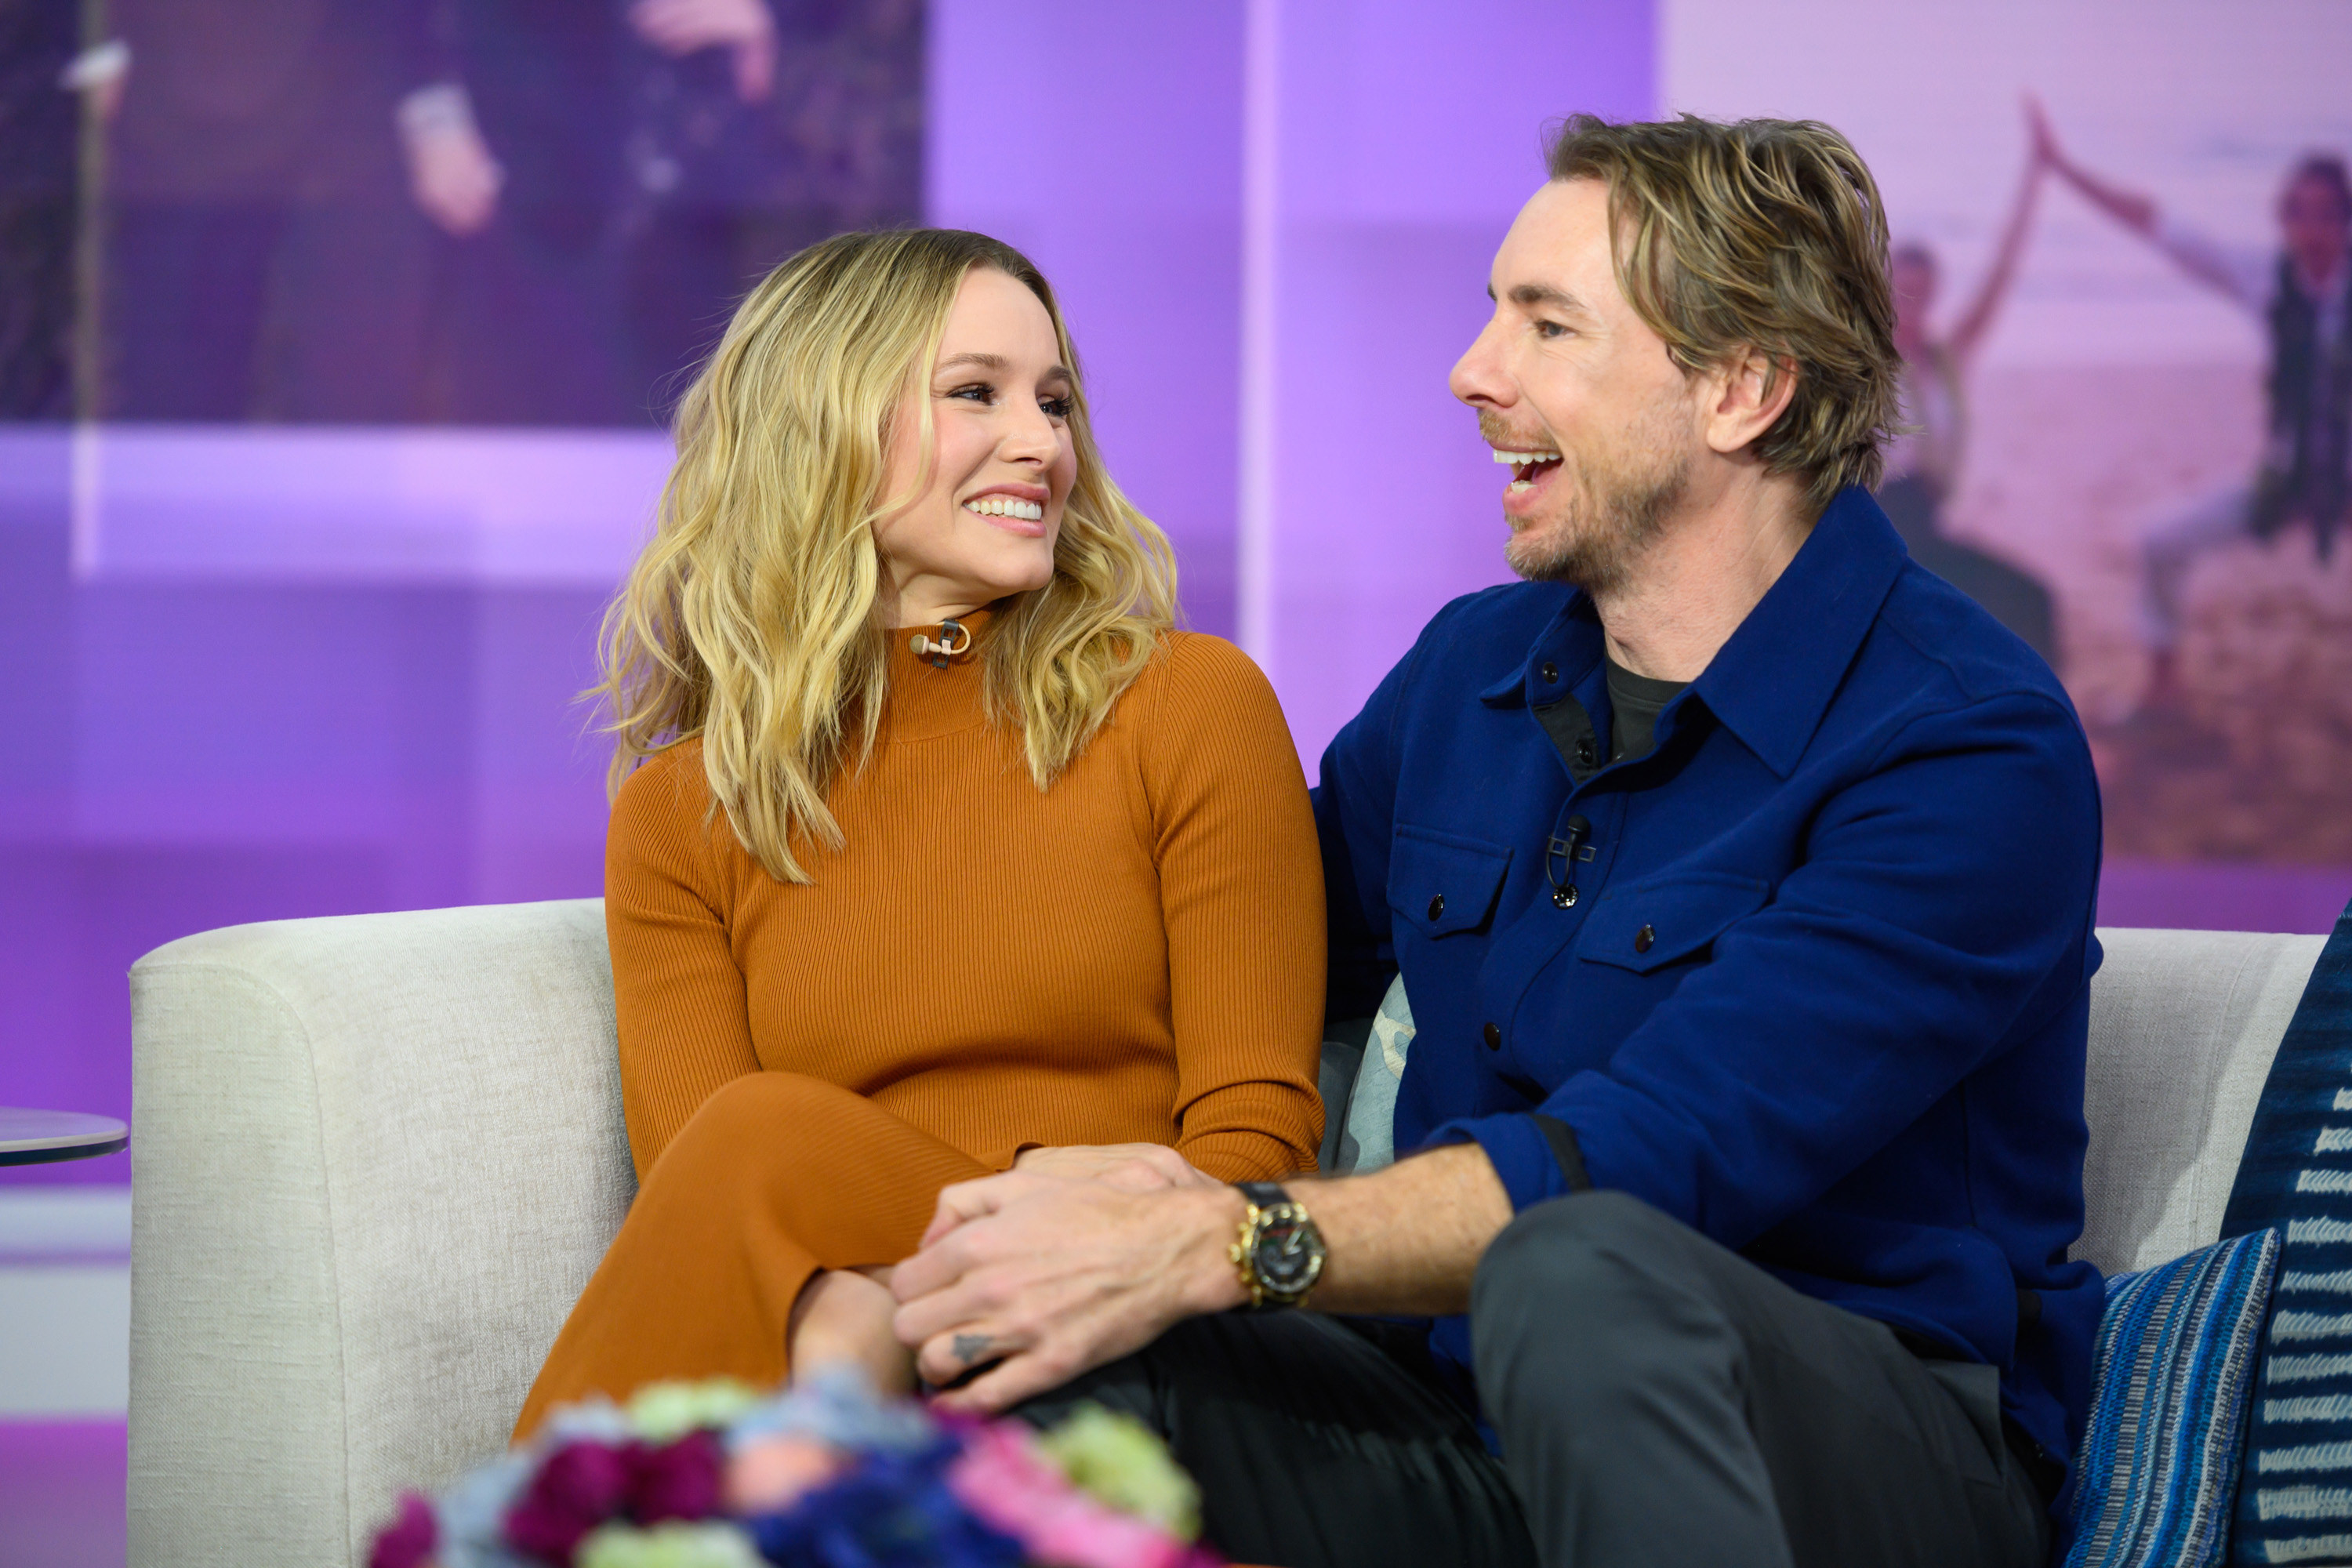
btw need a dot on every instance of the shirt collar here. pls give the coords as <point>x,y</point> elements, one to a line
<point>1772,679</point>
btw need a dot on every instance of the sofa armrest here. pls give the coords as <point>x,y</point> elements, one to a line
<point>377,1159</point>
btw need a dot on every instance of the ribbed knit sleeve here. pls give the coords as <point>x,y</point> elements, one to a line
<point>676,991</point>
<point>1241,896</point>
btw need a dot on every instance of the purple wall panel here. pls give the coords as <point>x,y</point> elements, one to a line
<point>180,755</point>
<point>61,1493</point>
<point>2209,895</point>
<point>1407,137</point>
<point>1104,141</point>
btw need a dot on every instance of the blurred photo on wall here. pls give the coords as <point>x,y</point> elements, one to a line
<point>470,212</point>
<point>2120,257</point>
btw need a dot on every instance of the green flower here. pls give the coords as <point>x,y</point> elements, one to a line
<point>670,1545</point>
<point>1120,1460</point>
<point>665,1412</point>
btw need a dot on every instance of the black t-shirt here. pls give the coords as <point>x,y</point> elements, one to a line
<point>1634,703</point>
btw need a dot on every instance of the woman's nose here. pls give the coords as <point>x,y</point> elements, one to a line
<point>1033,438</point>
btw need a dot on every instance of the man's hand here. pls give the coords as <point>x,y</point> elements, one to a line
<point>744,27</point>
<point>1050,1276</point>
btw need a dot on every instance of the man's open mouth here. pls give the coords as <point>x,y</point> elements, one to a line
<point>1527,467</point>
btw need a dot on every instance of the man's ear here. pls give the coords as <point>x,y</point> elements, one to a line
<point>1743,396</point>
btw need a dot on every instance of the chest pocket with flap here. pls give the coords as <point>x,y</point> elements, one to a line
<point>1645,926</point>
<point>1442,883</point>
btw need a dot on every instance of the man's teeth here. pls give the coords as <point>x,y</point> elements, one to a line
<point>1519,459</point>
<point>1006,506</point>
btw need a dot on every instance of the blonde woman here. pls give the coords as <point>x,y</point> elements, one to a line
<point>935,847</point>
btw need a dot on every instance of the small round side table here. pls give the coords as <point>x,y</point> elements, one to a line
<point>38,1137</point>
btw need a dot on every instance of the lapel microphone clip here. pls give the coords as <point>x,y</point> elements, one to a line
<point>945,649</point>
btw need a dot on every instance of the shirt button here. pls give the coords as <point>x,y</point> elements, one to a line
<point>1643,938</point>
<point>1437,906</point>
<point>1550,672</point>
<point>1494,1037</point>
<point>1565,897</point>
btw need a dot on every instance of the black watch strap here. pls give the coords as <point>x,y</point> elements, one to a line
<point>1264,1195</point>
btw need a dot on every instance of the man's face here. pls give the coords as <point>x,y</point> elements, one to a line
<point>2314,225</point>
<point>1575,391</point>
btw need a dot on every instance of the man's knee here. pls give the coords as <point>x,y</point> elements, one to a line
<point>1572,1242</point>
<point>1596,1270</point>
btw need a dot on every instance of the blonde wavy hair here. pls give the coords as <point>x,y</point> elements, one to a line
<point>751,620</point>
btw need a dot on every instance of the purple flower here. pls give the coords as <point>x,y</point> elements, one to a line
<point>578,1487</point>
<point>887,1510</point>
<point>685,1479</point>
<point>408,1540</point>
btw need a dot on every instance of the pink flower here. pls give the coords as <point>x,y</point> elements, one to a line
<point>1007,1483</point>
<point>578,1487</point>
<point>408,1540</point>
<point>685,1479</point>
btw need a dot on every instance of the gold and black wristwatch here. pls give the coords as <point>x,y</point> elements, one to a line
<point>1279,1253</point>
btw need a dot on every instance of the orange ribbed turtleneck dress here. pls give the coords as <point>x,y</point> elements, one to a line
<point>1135,954</point>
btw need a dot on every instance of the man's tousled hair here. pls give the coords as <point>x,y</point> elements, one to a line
<point>1766,235</point>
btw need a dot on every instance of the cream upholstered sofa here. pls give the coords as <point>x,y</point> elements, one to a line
<point>375,1157</point>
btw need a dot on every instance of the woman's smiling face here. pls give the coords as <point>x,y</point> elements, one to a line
<point>1001,463</point>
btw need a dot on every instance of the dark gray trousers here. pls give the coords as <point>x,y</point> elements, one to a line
<point>1661,1402</point>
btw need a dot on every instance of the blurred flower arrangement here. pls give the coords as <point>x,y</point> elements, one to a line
<point>824,1475</point>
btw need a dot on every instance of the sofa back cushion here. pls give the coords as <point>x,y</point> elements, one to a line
<point>2183,1027</point>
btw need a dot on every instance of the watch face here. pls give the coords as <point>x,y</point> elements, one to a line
<point>1288,1254</point>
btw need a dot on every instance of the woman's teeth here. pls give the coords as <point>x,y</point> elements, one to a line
<point>1006,506</point>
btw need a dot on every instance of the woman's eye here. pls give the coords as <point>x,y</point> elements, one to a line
<point>1056,407</point>
<point>1550,330</point>
<point>976,392</point>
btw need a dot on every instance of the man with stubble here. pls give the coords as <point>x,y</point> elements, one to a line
<point>1740,874</point>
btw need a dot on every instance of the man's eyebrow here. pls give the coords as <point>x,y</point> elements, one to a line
<point>1534,294</point>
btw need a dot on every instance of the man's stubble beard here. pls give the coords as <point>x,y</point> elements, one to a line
<point>1610,519</point>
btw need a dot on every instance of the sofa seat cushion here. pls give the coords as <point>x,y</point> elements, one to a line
<point>2158,1470</point>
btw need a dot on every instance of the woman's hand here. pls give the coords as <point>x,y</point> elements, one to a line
<point>1136,1167</point>
<point>843,1317</point>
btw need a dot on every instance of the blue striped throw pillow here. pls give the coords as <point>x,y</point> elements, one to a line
<point>2176,1360</point>
<point>2294,1502</point>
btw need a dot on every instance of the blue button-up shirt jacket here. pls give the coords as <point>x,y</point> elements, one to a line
<point>1823,991</point>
